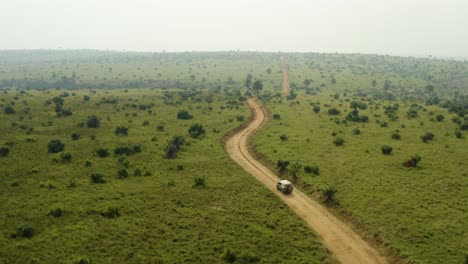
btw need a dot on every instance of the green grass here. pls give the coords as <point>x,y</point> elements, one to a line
<point>419,212</point>
<point>157,218</point>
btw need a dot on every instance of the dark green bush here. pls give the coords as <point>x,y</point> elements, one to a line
<point>339,141</point>
<point>440,118</point>
<point>55,146</point>
<point>199,182</point>
<point>229,256</point>
<point>316,109</point>
<point>314,169</point>
<point>282,164</point>
<point>121,131</point>
<point>93,122</point>
<point>111,212</point>
<point>102,152</point>
<point>413,162</point>
<point>123,173</point>
<point>9,110</point>
<point>75,136</point>
<point>356,131</point>
<point>277,116</point>
<point>4,151</point>
<point>66,156</point>
<point>284,137</point>
<point>56,212</point>
<point>396,136</point>
<point>196,130</point>
<point>24,230</point>
<point>97,178</point>
<point>386,150</point>
<point>333,111</point>
<point>428,136</point>
<point>184,115</point>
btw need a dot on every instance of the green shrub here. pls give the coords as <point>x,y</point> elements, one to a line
<point>199,182</point>
<point>66,156</point>
<point>24,230</point>
<point>314,169</point>
<point>386,150</point>
<point>4,151</point>
<point>316,109</point>
<point>123,173</point>
<point>329,193</point>
<point>333,111</point>
<point>356,131</point>
<point>9,110</point>
<point>440,118</point>
<point>102,152</point>
<point>277,116</point>
<point>81,260</point>
<point>75,136</point>
<point>458,134</point>
<point>196,130</point>
<point>93,121</point>
<point>413,161</point>
<point>339,141</point>
<point>396,136</point>
<point>184,115</point>
<point>97,178</point>
<point>111,212</point>
<point>56,212</point>
<point>282,164</point>
<point>284,137</point>
<point>55,146</point>
<point>229,256</point>
<point>428,136</point>
<point>121,131</point>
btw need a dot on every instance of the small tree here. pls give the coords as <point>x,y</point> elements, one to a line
<point>413,162</point>
<point>9,110</point>
<point>257,87</point>
<point>4,151</point>
<point>55,146</point>
<point>440,118</point>
<point>121,131</point>
<point>316,109</point>
<point>282,165</point>
<point>75,136</point>
<point>196,131</point>
<point>428,136</point>
<point>333,111</point>
<point>294,170</point>
<point>314,169</point>
<point>184,115</point>
<point>396,135</point>
<point>97,178</point>
<point>386,150</point>
<point>93,122</point>
<point>329,194</point>
<point>283,137</point>
<point>339,141</point>
<point>199,182</point>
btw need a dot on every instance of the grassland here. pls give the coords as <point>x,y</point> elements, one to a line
<point>419,212</point>
<point>161,217</point>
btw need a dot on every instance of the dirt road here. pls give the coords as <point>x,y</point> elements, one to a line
<point>285,82</point>
<point>339,238</point>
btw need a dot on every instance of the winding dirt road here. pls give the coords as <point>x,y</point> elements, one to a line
<point>285,82</point>
<point>339,238</point>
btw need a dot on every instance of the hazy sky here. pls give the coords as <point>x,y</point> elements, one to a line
<point>398,27</point>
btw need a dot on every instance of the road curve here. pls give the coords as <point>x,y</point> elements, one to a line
<point>339,238</point>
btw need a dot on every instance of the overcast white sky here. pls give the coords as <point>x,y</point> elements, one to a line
<point>397,27</point>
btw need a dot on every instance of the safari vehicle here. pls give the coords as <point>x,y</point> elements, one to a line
<point>284,186</point>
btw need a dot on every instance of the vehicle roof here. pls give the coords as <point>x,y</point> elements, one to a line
<point>284,182</point>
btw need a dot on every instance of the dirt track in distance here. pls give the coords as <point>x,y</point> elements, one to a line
<point>339,238</point>
<point>285,82</point>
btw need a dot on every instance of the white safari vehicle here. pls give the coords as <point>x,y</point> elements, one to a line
<point>284,186</point>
